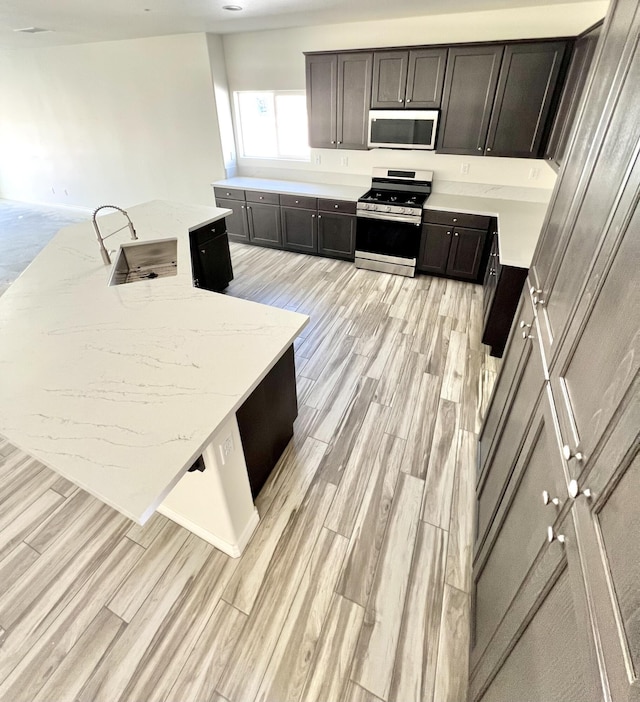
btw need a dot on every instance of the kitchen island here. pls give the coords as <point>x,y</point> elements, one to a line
<point>121,388</point>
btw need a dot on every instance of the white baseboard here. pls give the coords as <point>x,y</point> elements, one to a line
<point>233,550</point>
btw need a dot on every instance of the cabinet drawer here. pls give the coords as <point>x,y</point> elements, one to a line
<point>208,232</point>
<point>265,198</point>
<point>459,219</point>
<point>228,193</point>
<point>344,206</point>
<point>304,201</point>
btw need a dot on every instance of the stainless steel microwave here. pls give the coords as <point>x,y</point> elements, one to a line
<point>402,129</point>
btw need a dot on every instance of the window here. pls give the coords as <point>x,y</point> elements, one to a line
<point>272,124</point>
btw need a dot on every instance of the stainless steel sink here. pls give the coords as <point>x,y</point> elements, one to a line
<point>145,260</point>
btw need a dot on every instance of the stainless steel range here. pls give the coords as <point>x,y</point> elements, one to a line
<point>389,218</point>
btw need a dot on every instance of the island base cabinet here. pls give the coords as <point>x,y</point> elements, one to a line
<point>216,504</point>
<point>266,418</point>
<point>210,257</point>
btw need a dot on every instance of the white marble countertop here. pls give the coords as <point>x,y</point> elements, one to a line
<point>519,223</point>
<point>119,388</point>
<point>290,187</point>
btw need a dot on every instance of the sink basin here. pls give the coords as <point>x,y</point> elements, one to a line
<point>145,260</point>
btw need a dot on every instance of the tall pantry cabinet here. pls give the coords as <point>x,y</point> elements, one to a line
<point>556,606</point>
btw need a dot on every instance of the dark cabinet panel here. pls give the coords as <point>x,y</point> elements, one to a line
<point>412,79</point>
<point>526,89</point>
<point>237,227</point>
<point>228,194</point>
<point>501,289</point>
<point>265,420</point>
<point>434,248</point>
<point>425,78</point>
<point>299,230</point>
<point>581,58</point>
<point>389,79</point>
<point>266,198</point>
<point>210,257</point>
<point>322,96</point>
<point>264,225</point>
<point>354,96</point>
<point>466,253</point>
<point>337,235</point>
<point>469,89</point>
<point>338,98</point>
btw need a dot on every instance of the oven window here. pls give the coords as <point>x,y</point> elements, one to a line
<point>402,131</point>
<point>387,238</point>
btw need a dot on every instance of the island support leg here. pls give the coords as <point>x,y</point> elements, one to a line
<point>216,504</point>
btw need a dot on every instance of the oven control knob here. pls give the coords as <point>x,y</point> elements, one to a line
<point>387,208</point>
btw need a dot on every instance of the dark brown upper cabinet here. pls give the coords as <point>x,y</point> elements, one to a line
<point>526,90</point>
<point>469,89</point>
<point>497,99</point>
<point>581,59</point>
<point>408,79</point>
<point>338,98</point>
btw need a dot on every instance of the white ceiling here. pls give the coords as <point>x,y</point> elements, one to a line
<point>82,21</point>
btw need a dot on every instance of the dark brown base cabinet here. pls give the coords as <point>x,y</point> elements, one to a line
<point>501,291</point>
<point>265,420</point>
<point>556,600</point>
<point>210,258</point>
<point>453,244</point>
<point>293,222</point>
<point>337,235</point>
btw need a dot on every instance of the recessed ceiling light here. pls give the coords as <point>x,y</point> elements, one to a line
<point>32,30</point>
<point>232,8</point>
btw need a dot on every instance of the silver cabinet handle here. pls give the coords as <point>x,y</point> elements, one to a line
<point>552,536</point>
<point>479,148</point>
<point>333,141</point>
<point>319,216</point>
<point>335,207</point>
<point>535,292</point>
<point>297,201</point>
<point>339,142</point>
<point>569,454</point>
<point>524,325</point>
<point>408,99</point>
<point>574,490</point>
<point>455,233</point>
<point>228,194</point>
<point>313,216</point>
<point>526,335</point>
<point>242,207</point>
<point>455,219</point>
<point>400,100</point>
<point>492,272</point>
<point>488,149</point>
<point>548,500</point>
<point>448,233</point>
<point>261,197</point>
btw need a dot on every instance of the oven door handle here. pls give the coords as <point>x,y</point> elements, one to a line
<point>388,216</point>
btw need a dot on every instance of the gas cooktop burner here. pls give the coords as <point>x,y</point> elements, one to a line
<point>394,197</point>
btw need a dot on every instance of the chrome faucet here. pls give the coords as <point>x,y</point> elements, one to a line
<point>103,251</point>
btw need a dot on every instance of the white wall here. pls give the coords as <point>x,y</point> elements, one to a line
<point>275,60</point>
<point>114,122</point>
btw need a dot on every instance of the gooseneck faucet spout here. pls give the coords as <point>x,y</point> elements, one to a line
<point>103,251</point>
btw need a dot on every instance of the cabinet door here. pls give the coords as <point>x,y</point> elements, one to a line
<point>542,650</point>
<point>237,227</point>
<point>214,269</point>
<point>599,361</point>
<point>389,79</point>
<point>469,88</point>
<point>299,230</point>
<point>425,78</point>
<point>337,235</point>
<point>434,248</point>
<point>608,524</point>
<point>354,97</point>
<point>322,92</point>
<point>466,253</point>
<point>264,225</point>
<point>581,58</point>
<point>526,89</point>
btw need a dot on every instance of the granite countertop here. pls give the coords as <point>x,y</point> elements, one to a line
<point>519,221</point>
<point>290,187</point>
<point>119,388</point>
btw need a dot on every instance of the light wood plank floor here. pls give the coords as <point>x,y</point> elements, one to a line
<point>355,586</point>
